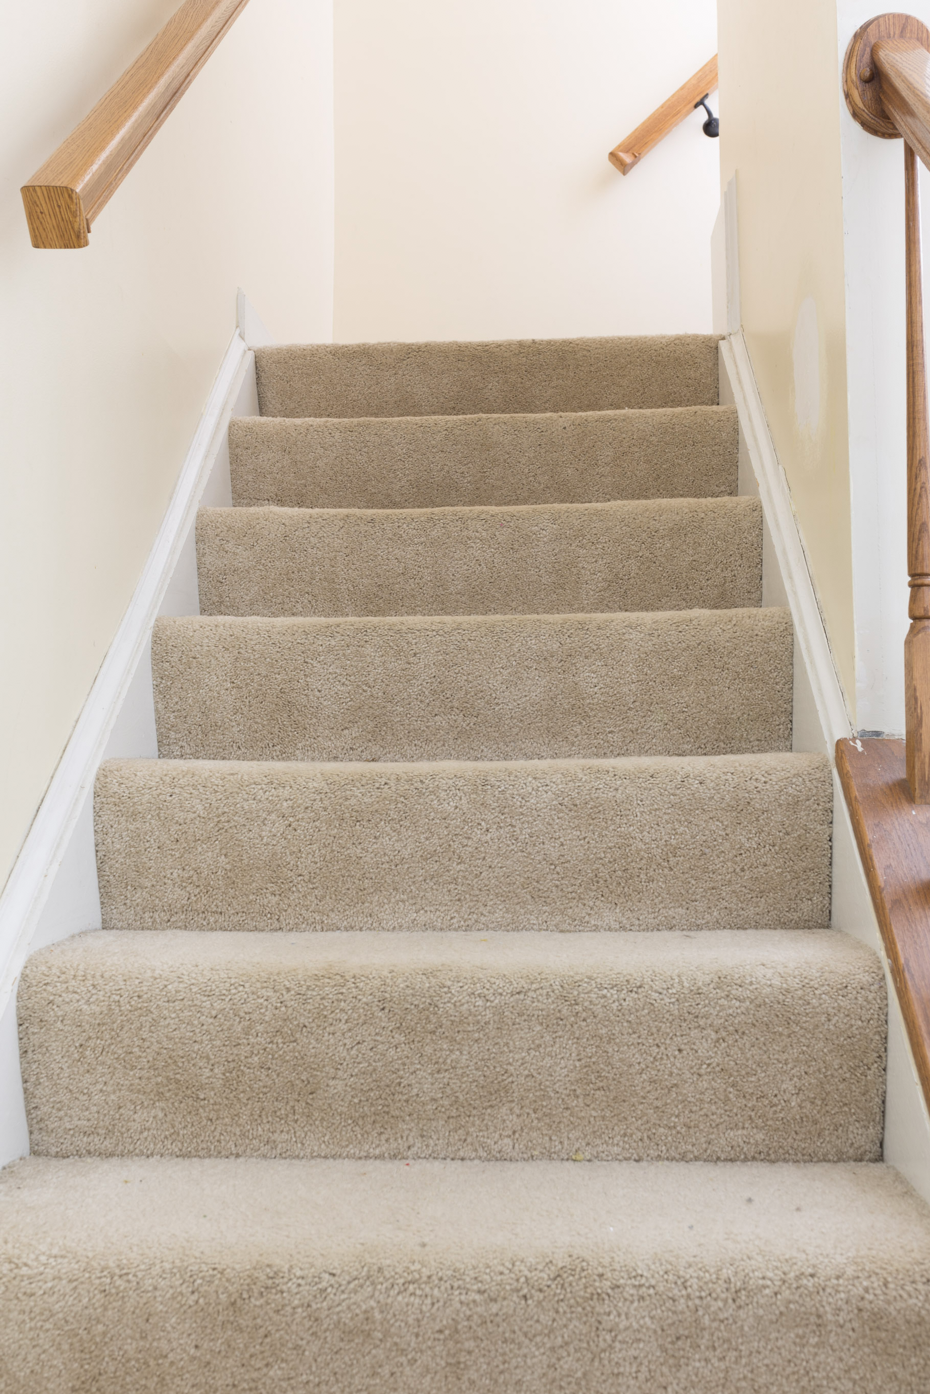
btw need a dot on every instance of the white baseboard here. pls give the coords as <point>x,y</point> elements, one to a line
<point>52,890</point>
<point>821,719</point>
<point>790,556</point>
<point>251,326</point>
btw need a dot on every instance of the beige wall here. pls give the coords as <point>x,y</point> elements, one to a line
<point>107,355</point>
<point>781,138</point>
<point>473,194</point>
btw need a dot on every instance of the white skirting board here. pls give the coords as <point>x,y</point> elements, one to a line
<point>52,890</point>
<point>821,718</point>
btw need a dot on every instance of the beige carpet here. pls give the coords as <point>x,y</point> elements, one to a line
<point>517,375</point>
<point>468,461</point>
<point>465,1018</point>
<point>670,554</point>
<point>537,687</point>
<point>457,1045</point>
<point>718,842</point>
<point>461,1277</point>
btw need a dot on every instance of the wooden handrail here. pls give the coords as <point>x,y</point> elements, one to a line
<point>893,838</point>
<point>886,82</point>
<point>629,152</point>
<point>63,198</point>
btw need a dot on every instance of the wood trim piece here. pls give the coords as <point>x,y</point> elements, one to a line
<point>902,67</point>
<point>893,837</point>
<point>629,152</point>
<point>65,195</point>
<point>862,85</point>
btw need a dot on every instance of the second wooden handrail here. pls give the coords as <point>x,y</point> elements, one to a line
<point>629,152</point>
<point>65,195</point>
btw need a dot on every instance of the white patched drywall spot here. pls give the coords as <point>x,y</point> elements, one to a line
<point>805,350</point>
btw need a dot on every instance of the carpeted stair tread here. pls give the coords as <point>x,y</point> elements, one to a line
<point>468,378</point>
<point>719,842</point>
<point>707,682</point>
<point>479,461</point>
<point>668,554</point>
<point>724,1046</point>
<point>169,1276</point>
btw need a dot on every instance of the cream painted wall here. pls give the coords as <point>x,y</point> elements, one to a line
<point>107,354</point>
<point>473,194</point>
<point>781,139</point>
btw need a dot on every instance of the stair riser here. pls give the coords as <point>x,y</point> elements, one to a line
<point>746,1051</point>
<point>711,683</point>
<point>724,843</point>
<point>479,461</point>
<point>591,558</point>
<point>442,379</point>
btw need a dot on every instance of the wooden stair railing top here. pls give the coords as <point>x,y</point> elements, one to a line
<point>629,152</point>
<point>63,198</point>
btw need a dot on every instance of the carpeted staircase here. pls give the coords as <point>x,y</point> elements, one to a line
<point>465,1018</point>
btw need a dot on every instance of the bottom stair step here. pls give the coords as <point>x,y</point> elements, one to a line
<point>193,1277</point>
<point>714,1046</point>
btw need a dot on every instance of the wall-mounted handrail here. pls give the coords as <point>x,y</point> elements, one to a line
<point>63,198</point>
<point>629,152</point>
<point>886,81</point>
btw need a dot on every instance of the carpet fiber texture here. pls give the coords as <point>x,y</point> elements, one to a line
<point>720,842</point>
<point>464,1018</point>
<point>461,1278</point>
<point>671,554</point>
<point>479,461</point>
<point>528,687</point>
<point>516,375</point>
<point>496,1046</point>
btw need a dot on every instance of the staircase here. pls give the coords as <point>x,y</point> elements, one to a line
<point>465,1018</point>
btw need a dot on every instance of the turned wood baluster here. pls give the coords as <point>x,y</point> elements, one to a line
<point>917,643</point>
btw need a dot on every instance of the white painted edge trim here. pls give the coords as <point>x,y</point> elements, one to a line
<point>830,700</point>
<point>251,325</point>
<point>34,870</point>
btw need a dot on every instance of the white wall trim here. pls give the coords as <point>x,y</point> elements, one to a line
<point>42,852</point>
<point>907,1123</point>
<point>775,494</point>
<point>251,325</point>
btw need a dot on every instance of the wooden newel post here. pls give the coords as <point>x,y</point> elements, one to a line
<point>917,643</point>
<point>886,82</point>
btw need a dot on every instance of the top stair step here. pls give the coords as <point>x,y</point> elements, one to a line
<point>509,375</point>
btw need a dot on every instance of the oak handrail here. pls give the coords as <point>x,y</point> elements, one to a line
<point>65,195</point>
<point>893,838</point>
<point>886,82</point>
<point>629,152</point>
